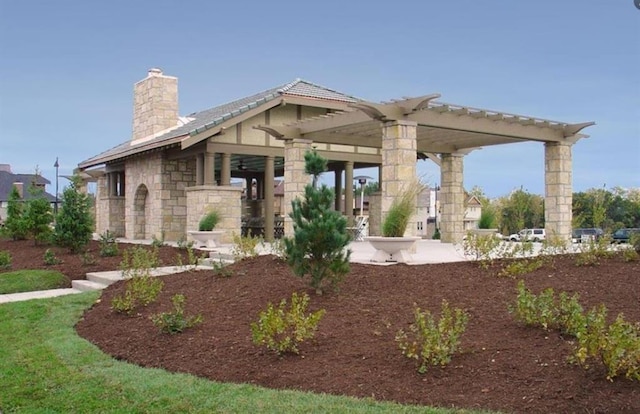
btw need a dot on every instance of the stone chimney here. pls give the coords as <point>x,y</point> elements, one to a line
<point>155,104</point>
<point>20,187</point>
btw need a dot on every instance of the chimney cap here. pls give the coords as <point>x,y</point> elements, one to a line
<point>155,72</point>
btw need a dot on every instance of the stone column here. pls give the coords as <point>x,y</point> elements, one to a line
<point>348,191</point>
<point>295,179</point>
<point>269,169</point>
<point>200,169</point>
<point>451,199</point>
<point>399,145</point>
<point>337,182</point>
<point>225,170</point>
<point>209,168</point>
<point>558,190</point>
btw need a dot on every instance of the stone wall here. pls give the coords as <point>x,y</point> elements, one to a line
<point>177,176</point>
<point>143,211</point>
<point>225,200</point>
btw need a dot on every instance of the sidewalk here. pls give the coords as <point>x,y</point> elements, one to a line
<point>427,251</point>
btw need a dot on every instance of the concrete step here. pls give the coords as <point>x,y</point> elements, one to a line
<point>87,285</point>
<point>105,278</point>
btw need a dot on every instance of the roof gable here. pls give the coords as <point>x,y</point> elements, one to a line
<point>201,121</point>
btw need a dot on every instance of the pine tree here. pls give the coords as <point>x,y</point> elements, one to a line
<point>15,226</point>
<point>74,223</point>
<point>320,237</point>
<point>38,215</point>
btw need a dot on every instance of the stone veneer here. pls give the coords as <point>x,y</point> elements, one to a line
<point>451,199</point>
<point>224,199</point>
<point>109,210</point>
<point>295,178</point>
<point>375,214</point>
<point>558,190</point>
<point>399,145</point>
<point>155,104</point>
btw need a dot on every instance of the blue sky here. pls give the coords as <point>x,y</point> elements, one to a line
<point>67,70</point>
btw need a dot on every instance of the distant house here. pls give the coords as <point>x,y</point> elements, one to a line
<point>22,182</point>
<point>429,212</point>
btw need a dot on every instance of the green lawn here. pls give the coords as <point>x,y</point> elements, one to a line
<point>30,280</point>
<point>46,368</point>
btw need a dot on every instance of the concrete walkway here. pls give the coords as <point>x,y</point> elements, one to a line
<point>427,251</point>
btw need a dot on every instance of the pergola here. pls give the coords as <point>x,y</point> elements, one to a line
<point>446,133</point>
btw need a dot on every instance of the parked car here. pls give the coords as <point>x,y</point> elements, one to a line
<point>623,235</point>
<point>581,235</point>
<point>535,235</point>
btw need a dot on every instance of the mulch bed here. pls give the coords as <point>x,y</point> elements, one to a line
<point>502,365</point>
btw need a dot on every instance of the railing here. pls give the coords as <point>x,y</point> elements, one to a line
<point>254,227</point>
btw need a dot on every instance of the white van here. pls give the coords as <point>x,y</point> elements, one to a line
<point>534,235</point>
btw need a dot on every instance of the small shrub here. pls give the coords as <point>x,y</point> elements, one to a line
<point>521,267</point>
<point>158,242</point>
<point>192,259</point>
<point>244,246</point>
<point>278,249</point>
<point>620,352</point>
<point>592,251</point>
<point>220,269</point>
<point>431,342</point>
<point>138,261</point>
<point>282,329</point>
<point>634,241</point>
<point>108,244</point>
<point>209,221</point>
<point>50,258</point>
<point>139,291</point>
<point>87,259</point>
<point>482,248</point>
<point>554,245</point>
<point>436,235</point>
<point>617,346</point>
<point>176,321</point>
<point>5,259</point>
<point>125,303</point>
<point>183,244</point>
<point>570,315</point>
<point>140,287</point>
<point>535,310</point>
<point>630,255</point>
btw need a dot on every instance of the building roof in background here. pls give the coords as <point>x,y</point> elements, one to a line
<point>7,179</point>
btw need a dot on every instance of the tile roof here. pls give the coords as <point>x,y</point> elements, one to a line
<point>209,118</point>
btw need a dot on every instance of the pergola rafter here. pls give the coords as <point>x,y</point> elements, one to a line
<point>442,127</point>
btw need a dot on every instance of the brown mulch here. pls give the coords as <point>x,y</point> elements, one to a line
<point>502,365</point>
